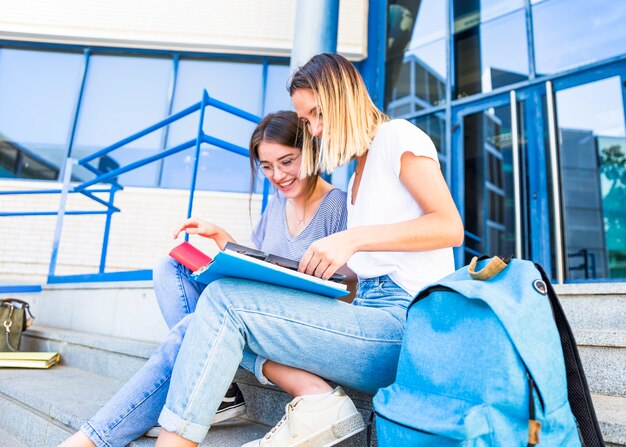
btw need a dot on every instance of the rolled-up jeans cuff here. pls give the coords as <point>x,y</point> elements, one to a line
<point>258,371</point>
<point>188,430</point>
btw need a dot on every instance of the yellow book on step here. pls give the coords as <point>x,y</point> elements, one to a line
<point>39,360</point>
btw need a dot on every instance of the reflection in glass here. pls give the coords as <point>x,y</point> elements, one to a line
<point>570,33</point>
<point>491,55</point>
<point>236,83</point>
<point>38,91</point>
<point>416,55</point>
<point>123,95</point>
<point>420,82</point>
<point>489,213</point>
<point>469,13</point>
<point>592,141</point>
<point>435,127</point>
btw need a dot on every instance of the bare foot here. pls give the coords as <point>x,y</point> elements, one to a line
<point>78,439</point>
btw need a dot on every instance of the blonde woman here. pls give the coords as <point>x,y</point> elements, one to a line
<point>402,224</point>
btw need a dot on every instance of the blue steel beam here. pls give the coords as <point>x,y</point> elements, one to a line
<point>140,134</point>
<point>136,165</point>
<point>225,145</point>
<point>44,191</point>
<point>135,275</point>
<point>196,158</point>
<point>99,200</point>
<point>77,106</point>
<point>48,213</point>
<point>232,110</point>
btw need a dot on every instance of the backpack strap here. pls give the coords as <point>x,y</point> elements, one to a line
<point>370,424</point>
<point>534,426</point>
<point>577,387</point>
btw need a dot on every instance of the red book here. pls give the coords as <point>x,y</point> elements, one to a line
<point>190,256</point>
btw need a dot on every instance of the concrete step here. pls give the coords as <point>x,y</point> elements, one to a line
<point>114,357</point>
<point>611,412</point>
<point>120,309</point>
<point>121,324</point>
<point>129,309</point>
<point>603,354</point>
<point>43,407</point>
<point>599,306</point>
<point>118,359</point>
<point>6,440</point>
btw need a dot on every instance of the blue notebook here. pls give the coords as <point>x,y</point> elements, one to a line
<point>229,263</point>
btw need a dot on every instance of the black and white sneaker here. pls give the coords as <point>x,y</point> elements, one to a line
<point>232,405</point>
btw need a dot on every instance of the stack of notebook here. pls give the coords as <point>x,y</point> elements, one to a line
<point>39,360</point>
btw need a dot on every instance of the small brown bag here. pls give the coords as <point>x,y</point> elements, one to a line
<point>15,318</point>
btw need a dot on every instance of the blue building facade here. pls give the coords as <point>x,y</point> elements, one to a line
<point>523,98</point>
<point>525,101</point>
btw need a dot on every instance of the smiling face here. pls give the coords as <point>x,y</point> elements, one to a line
<point>281,165</point>
<point>308,110</point>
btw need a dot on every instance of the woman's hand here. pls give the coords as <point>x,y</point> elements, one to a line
<point>325,256</point>
<point>202,228</point>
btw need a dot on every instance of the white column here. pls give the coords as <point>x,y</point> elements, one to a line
<point>315,30</point>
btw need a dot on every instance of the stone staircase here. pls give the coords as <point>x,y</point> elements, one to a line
<point>100,351</point>
<point>105,332</point>
<point>597,314</point>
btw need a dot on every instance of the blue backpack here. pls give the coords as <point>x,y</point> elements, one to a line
<point>482,365</point>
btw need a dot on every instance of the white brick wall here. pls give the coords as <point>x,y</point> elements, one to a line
<point>140,234</point>
<point>244,26</point>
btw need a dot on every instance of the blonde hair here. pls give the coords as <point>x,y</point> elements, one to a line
<point>350,118</point>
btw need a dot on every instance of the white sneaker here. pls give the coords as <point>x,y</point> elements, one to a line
<point>314,423</point>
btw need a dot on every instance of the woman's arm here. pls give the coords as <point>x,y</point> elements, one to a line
<point>439,227</point>
<point>194,225</point>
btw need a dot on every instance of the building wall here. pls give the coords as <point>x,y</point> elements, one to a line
<point>140,234</point>
<point>240,27</point>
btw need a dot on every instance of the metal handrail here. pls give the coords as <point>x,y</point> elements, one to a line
<point>108,177</point>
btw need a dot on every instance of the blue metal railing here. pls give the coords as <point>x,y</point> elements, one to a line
<point>110,176</point>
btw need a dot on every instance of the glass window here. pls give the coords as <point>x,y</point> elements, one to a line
<point>38,91</point>
<point>491,55</point>
<point>276,95</point>
<point>592,139</point>
<point>469,13</point>
<point>416,55</point>
<point>123,95</point>
<point>239,84</point>
<point>570,33</point>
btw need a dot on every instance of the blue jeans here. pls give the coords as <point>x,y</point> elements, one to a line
<point>351,344</point>
<point>136,407</point>
<point>176,292</point>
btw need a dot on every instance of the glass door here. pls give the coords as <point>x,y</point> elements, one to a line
<point>490,177</point>
<point>589,130</point>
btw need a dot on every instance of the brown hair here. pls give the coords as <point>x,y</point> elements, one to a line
<point>350,117</point>
<point>281,128</point>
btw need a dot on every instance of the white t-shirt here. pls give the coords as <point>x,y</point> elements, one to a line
<point>383,199</point>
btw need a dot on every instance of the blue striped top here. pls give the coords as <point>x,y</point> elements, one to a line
<point>272,234</point>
